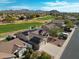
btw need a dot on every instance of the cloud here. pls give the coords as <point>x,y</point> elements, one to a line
<point>18,7</point>
<point>6,1</point>
<point>61,6</point>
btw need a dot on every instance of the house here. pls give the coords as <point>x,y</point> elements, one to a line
<point>33,38</point>
<point>22,37</point>
<point>43,32</point>
<point>37,40</point>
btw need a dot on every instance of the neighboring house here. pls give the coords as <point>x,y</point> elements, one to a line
<point>54,24</point>
<point>72,18</point>
<point>6,55</point>
<point>49,26</point>
<point>11,46</point>
<point>59,23</point>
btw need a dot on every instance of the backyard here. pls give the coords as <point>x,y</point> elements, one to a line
<point>15,27</point>
<point>22,25</point>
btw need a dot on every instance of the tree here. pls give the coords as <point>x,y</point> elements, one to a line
<point>8,38</point>
<point>9,19</point>
<point>37,15</point>
<point>30,54</point>
<point>44,56</point>
<point>54,32</point>
<point>69,23</point>
<point>34,55</point>
<point>21,18</point>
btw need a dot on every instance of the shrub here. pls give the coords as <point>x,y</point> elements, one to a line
<point>44,56</point>
<point>8,38</point>
<point>35,55</point>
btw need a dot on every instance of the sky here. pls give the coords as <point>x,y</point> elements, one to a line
<point>47,5</point>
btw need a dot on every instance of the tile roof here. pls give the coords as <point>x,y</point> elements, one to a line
<point>8,47</point>
<point>5,55</point>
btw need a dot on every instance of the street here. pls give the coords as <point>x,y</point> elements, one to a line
<point>72,49</point>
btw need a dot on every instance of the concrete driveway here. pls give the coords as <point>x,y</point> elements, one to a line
<point>50,49</point>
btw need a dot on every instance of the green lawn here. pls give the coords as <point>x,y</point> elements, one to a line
<point>48,17</point>
<point>15,27</point>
